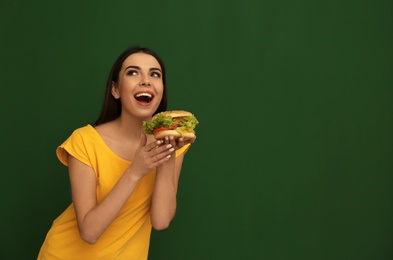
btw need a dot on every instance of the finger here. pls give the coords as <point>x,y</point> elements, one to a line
<point>192,140</point>
<point>154,144</point>
<point>143,140</point>
<point>180,142</point>
<point>158,152</point>
<point>162,151</point>
<point>160,160</point>
<point>161,157</point>
<point>172,140</point>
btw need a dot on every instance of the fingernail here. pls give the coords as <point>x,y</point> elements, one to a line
<point>169,146</point>
<point>172,149</point>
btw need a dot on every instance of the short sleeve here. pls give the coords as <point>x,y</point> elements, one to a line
<point>183,150</point>
<point>75,145</point>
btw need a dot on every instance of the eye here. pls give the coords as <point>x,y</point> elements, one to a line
<point>132,73</point>
<point>155,74</point>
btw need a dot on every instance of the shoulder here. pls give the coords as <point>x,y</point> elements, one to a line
<point>83,134</point>
<point>78,144</point>
<point>85,130</point>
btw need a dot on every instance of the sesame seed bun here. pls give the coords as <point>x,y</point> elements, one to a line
<point>176,113</point>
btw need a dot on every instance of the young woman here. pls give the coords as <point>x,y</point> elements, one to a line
<point>123,182</point>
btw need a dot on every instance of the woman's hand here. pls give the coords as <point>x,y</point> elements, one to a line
<point>177,144</point>
<point>150,156</point>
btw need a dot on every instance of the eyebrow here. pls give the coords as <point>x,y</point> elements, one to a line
<point>138,68</point>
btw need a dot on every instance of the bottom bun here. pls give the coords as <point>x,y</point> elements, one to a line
<point>188,135</point>
<point>175,134</point>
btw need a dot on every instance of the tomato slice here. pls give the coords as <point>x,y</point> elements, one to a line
<point>165,128</point>
<point>160,129</point>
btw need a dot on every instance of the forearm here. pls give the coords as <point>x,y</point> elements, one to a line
<point>97,220</point>
<point>163,206</point>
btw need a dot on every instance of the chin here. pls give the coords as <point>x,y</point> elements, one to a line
<point>146,113</point>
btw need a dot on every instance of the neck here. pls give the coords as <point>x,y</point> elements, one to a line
<point>129,127</point>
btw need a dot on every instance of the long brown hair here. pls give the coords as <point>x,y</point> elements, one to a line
<point>111,108</point>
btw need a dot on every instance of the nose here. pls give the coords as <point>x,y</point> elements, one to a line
<point>145,81</point>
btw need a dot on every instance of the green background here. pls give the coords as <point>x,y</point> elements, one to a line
<point>293,158</point>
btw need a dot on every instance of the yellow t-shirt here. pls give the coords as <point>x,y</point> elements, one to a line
<point>128,237</point>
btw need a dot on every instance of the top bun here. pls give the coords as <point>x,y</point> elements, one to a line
<point>176,113</point>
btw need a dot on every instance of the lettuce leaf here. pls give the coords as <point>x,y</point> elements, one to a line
<point>190,122</point>
<point>160,120</point>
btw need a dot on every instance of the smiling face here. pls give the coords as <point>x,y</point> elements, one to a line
<point>140,86</point>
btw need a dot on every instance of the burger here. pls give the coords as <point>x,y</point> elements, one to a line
<point>177,123</point>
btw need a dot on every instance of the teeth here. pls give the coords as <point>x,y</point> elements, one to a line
<point>144,95</point>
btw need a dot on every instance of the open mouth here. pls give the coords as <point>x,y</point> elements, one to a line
<point>144,97</point>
